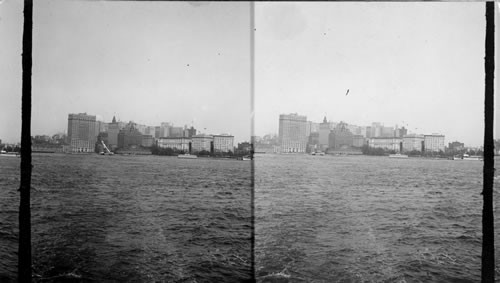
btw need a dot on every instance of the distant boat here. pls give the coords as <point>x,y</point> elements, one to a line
<point>398,155</point>
<point>9,154</point>
<point>472,157</point>
<point>320,153</point>
<point>246,158</point>
<point>187,156</point>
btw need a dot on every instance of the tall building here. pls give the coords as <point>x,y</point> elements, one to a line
<point>82,132</point>
<point>434,143</point>
<point>340,137</point>
<point>292,133</point>
<point>324,133</point>
<point>113,130</point>
<point>129,137</point>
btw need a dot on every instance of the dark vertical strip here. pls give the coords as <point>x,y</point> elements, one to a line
<point>24,252</point>
<point>488,254</point>
<point>252,131</point>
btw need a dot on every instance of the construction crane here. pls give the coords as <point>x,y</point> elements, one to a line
<point>108,152</point>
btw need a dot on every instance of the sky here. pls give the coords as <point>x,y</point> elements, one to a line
<point>418,65</point>
<point>153,62</point>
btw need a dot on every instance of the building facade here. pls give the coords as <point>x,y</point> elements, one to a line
<point>324,133</point>
<point>223,143</point>
<point>388,143</point>
<point>113,130</point>
<point>292,133</point>
<point>202,142</point>
<point>358,141</point>
<point>82,132</point>
<point>413,142</point>
<point>434,143</point>
<point>178,143</point>
<point>340,137</point>
<point>129,137</point>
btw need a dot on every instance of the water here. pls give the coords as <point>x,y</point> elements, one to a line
<point>368,219</point>
<point>131,218</point>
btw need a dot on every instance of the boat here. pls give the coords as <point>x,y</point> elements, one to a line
<point>187,156</point>
<point>320,153</point>
<point>398,155</point>
<point>246,158</point>
<point>472,157</point>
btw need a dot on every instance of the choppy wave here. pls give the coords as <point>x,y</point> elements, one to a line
<point>131,218</point>
<point>368,219</point>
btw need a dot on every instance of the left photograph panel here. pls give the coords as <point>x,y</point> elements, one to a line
<point>141,127</point>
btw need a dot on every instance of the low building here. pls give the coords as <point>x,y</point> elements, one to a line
<point>388,143</point>
<point>176,143</point>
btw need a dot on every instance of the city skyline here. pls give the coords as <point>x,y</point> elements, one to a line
<point>147,62</point>
<point>420,64</point>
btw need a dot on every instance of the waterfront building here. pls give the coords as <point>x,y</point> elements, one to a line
<point>223,143</point>
<point>386,143</point>
<point>113,130</point>
<point>175,132</point>
<point>129,137</point>
<point>358,141</point>
<point>340,137</point>
<point>456,146</point>
<point>324,133</point>
<point>292,133</point>
<point>177,143</point>
<point>147,141</point>
<point>413,142</point>
<point>82,132</point>
<point>202,142</point>
<point>434,143</point>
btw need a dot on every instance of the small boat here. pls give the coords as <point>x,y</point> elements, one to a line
<point>320,153</point>
<point>472,157</point>
<point>246,158</point>
<point>187,156</point>
<point>398,155</point>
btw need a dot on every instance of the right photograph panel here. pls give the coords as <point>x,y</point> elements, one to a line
<point>369,126</point>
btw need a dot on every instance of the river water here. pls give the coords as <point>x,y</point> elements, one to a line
<point>368,219</point>
<point>131,218</point>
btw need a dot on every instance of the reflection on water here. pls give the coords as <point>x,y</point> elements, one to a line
<point>131,218</point>
<point>368,219</point>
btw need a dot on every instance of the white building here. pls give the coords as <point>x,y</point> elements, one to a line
<point>434,143</point>
<point>223,143</point>
<point>385,143</point>
<point>178,143</point>
<point>292,133</point>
